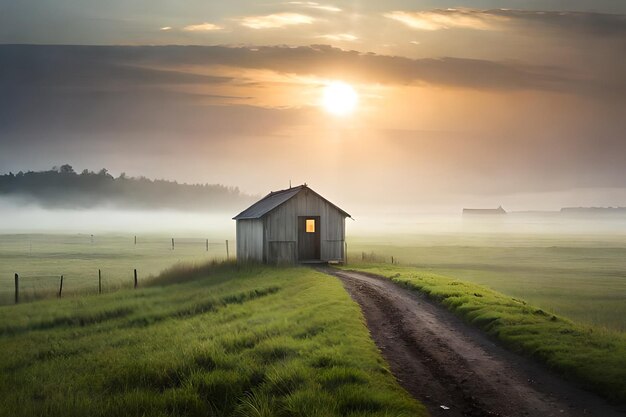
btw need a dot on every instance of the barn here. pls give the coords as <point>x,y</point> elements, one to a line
<point>296,225</point>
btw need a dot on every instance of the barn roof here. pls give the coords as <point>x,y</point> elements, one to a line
<point>275,199</point>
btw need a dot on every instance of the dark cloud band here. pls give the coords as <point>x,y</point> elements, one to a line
<point>132,66</point>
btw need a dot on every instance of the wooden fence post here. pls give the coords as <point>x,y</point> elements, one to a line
<point>135,273</point>
<point>99,282</point>
<point>392,260</point>
<point>61,287</point>
<point>207,245</point>
<point>17,288</point>
<point>172,243</point>
<point>227,253</point>
<point>135,239</point>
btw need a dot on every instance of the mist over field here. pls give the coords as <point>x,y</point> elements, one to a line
<point>63,199</point>
<point>18,216</point>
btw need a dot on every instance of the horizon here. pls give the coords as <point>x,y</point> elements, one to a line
<point>59,204</point>
<point>513,204</point>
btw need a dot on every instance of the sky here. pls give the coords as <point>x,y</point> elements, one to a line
<point>521,103</point>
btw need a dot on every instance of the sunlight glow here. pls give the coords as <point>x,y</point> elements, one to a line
<point>202,27</point>
<point>277,20</point>
<point>339,98</point>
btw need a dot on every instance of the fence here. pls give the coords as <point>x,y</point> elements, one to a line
<point>205,243</point>
<point>31,266</point>
<point>373,257</point>
<point>30,282</point>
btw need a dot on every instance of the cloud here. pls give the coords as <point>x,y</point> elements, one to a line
<point>277,20</point>
<point>118,66</point>
<point>82,67</point>
<point>446,19</point>
<point>588,23</point>
<point>203,27</point>
<point>329,62</point>
<point>509,19</point>
<point>341,37</point>
<point>149,110</point>
<point>314,5</point>
<point>165,28</point>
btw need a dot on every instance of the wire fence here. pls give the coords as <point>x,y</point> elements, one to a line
<point>46,266</point>
<point>37,242</point>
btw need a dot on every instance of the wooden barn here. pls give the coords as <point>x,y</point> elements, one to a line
<point>296,225</point>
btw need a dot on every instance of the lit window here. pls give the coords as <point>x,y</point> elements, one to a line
<point>310,225</point>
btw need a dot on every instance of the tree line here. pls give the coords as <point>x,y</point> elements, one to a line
<point>62,187</point>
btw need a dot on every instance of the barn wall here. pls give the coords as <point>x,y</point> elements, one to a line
<point>281,228</point>
<point>250,240</point>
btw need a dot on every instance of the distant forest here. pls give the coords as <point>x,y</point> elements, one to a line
<point>62,187</point>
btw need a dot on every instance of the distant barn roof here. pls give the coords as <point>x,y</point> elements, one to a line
<point>499,210</point>
<point>275,199</point>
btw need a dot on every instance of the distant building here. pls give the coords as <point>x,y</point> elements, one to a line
<point>593,210</point>
<point>291,226</point>
<point>499,210</point>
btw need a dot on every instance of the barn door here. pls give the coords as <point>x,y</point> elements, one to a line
<point>308,238</point>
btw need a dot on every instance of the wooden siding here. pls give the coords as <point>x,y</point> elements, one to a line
<point>250,240</point>
<point>281,252</point>
<point>281,228</point>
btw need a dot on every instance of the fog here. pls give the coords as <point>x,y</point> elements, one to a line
<point>379,224</point>
<point>520,223</point>
<point>16,218</point>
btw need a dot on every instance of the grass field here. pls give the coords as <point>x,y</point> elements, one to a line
<point>582,277</point>
<point>596,359</point>
<point>40,259</point>
<point>219,340</point>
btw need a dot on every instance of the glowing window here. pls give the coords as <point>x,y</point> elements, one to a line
<point>310,225</point>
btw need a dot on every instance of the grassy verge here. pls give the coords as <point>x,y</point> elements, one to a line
<point>211,341</point>
<point>580,277</point>
<point>596,359</point>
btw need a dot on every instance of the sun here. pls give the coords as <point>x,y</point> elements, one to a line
<point>339,98</point>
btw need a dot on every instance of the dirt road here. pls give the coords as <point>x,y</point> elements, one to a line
<point>454,369</point>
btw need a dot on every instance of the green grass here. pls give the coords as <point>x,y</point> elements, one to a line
<point>594,358</point>
<point>216,340</point>
<point>40,260</point>
<point>577,276</point>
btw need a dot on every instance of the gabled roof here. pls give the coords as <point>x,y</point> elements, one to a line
<point>275,199</point>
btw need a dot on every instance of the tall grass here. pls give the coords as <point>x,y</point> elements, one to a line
<point>594,358</point>
<point>205,340</point>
